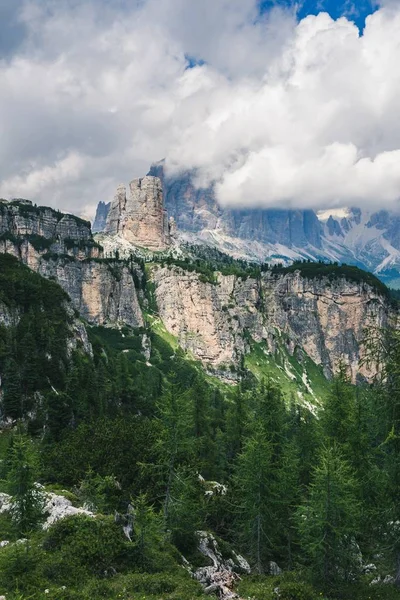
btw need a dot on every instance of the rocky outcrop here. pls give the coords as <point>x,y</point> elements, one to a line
<point>209,319</point>
<point>328,319</point>
<point>102,291</point>
<point>22,218</point>
<point>55,507</point>
<point>140,218</point>
<point>221,576</point>
<point>323,318</point>
<point>61,247</point>
<point>100,220</point>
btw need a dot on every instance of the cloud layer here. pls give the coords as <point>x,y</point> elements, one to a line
<point>277,113</point>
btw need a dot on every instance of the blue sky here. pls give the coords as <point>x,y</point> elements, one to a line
<point>356,10</point>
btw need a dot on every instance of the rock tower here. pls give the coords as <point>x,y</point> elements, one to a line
<point>140,218</point>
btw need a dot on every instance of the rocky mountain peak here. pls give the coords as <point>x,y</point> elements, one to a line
<point>140,217</point>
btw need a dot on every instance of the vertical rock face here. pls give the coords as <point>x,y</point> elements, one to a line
<point>140,217</point>
<point>326,319</point>
<point>61,247</point>
<point>197,209</point>
<point>22,218</point>
<point>100,220</point>
<point>103,292</point>
<point>208,319</point>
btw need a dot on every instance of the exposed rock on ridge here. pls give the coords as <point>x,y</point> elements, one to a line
<point>100,220</point>
<point>21,218</point>
<point>140,218</point>
<point>326,320</point>
<point>62,247</point>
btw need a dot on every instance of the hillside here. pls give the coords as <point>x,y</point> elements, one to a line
<point>185,418</point>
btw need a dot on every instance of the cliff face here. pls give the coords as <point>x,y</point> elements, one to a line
<point>209,320</point>
<point>327,320</point>
<point>215,320</point>
<point>103,292</point>
<point>140,218</point>
<point>100,220</point>
<point>21,218</point>
<point>61,247</point>
<point>197,209</point>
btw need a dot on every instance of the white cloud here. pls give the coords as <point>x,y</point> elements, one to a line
<point>280,114</point>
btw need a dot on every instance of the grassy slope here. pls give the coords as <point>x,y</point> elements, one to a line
<point>305,381</point>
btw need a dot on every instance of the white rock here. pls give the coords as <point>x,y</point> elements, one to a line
<point>59,507</point>
<point>5,502</point>
<point>222,575</point>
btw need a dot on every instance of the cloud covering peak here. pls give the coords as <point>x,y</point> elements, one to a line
<point>275,112</point>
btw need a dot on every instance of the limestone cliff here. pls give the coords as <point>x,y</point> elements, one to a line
<point>102,291</point>
<point>100,220</point>
<point>325,319</point>
<point>216,319</point>
<point>140,218</point>
<point>61,247</point>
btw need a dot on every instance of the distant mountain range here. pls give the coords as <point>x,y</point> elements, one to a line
<point>370,240</point>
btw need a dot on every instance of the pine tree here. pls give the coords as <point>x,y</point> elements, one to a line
<point>13,401</point>
<point>287,496</point>
<point>338,414</point>
<point>175,444</point>
<point>27,500</point>
<point>236,423</point>
<point>327,522</point>
<point>253,483</point>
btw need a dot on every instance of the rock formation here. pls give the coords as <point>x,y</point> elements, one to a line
<point>325,319</point>
<point>352,236</point>
<point>100,220</point>
<point>214,320</point>
<point>140,218</point>
<point>61,247</point>
<point>219,577</point>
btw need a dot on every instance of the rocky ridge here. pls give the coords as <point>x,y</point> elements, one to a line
<point>62,247</point>
<point>140,218</point>
<point>353,236</point>
<point>217,322</point>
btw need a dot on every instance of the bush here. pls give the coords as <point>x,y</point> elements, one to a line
<point>293,590</point>
<point>175,585</point>
<point>94,545</point>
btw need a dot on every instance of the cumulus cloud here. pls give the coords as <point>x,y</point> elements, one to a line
<point>274,112</point>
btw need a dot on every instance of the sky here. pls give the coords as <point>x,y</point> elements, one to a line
<point>279,103</point>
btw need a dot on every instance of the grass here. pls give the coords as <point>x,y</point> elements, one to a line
<point>293,586</point>
<point>159,328</point>
<point>305,381</point>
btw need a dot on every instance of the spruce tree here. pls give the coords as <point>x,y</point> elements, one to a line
<point>253,479</point>
<point>175,444</point>
<point>27,500</point>
<point>328,520</point>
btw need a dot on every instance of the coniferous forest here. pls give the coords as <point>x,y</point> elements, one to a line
<point>157,450</point>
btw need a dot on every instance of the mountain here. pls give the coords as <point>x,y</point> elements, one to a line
<point>219,311</point>
<point>100,219</point>
<point>167,419</point>
<point>365,239</point>
<point>61,247</point>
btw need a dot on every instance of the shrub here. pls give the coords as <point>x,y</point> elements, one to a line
<point>293,590</point>
<point>95,545</point>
